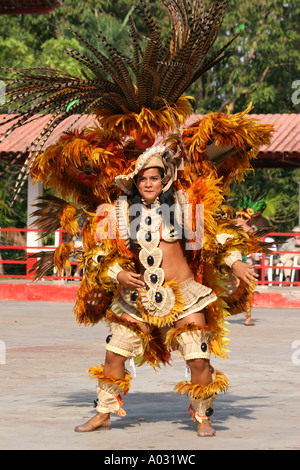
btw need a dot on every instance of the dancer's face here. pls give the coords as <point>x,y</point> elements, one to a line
<point>149,184</point>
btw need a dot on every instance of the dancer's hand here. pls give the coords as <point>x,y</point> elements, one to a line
<point>244,272</point>
<point>131,281</point>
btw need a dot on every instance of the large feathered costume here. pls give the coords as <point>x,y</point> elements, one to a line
<point>136,101</point>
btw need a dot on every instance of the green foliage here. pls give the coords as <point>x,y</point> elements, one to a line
<point>53,54</point>
<point>15,53</point>
<point>264,62</point>
<point>15,216</point>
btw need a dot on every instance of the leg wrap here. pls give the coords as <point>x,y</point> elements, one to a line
<point>202,408</point>
<point>127,338</point>
<point>203,396</point>
<point>125,341</point>
<point>109,399</point>
<point>108,391</point>
<point>191,341</point>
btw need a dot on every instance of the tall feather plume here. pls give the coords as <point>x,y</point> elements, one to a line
<point>158,74</point>
<point>47,215</point>
<point>43,265</point>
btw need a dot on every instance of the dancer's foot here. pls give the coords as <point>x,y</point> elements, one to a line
<point>249,322</point>
<point>205,429</point>
<point>101,422</point>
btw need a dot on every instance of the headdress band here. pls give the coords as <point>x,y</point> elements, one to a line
<point>154,157</point>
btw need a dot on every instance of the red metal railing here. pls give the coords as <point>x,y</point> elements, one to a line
<point>263,267</point>
<point>22,260</point>
<point>273,274</point>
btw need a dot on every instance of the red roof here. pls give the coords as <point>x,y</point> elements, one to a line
<point>284,150</point>
<point>27,7</point>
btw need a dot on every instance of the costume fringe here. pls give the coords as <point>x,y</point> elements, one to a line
<point>215,315</point>
<point>110,259</point>
<point>89,239</point>
<point>172,315</point>
<point>96,290</point>
<point>241,300</point>
<point>97,261</point>
<point>53,213</point>
<point>148,122</point>
<point>69,219</point>
<point>245,243</point>
<point>43,265</point>
<point>62,257</point>
<point>75,165</point>
<point>220,384</point>
<point>91,304</point>
<point>216,312</point>
<point>155,353</point>
<point>96,372</point>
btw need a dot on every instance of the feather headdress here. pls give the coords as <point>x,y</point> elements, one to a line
<point>247,207</point>
<point>127,95</point>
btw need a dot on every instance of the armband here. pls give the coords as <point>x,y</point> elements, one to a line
<point>113,272</point>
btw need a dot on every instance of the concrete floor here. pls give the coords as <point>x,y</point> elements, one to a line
<point>45,391</point>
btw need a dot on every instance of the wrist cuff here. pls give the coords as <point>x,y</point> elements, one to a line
<point>232,258</point>
<point>113,272</point>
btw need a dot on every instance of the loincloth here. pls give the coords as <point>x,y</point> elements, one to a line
<point>194,298</point>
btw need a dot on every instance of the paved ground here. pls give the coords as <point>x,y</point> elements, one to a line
<point>45,391</point>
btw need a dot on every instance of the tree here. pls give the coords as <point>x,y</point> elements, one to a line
<point>264,62</point>
<point>11,216</point>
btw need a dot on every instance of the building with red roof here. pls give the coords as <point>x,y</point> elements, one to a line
<point>28,7</point>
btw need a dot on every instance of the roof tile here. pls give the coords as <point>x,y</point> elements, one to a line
<point>285,141</point>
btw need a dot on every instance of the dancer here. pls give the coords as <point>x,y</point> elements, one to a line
<point>161,293</point>
<point>158,240</point>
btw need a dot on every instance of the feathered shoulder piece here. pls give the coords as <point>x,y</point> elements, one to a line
<point>224,142</point>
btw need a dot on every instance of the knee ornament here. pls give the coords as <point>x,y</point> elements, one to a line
<point>124,342</point>
<point>191,341</point>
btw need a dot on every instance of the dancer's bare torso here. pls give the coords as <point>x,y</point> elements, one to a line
<point>174,263</point>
